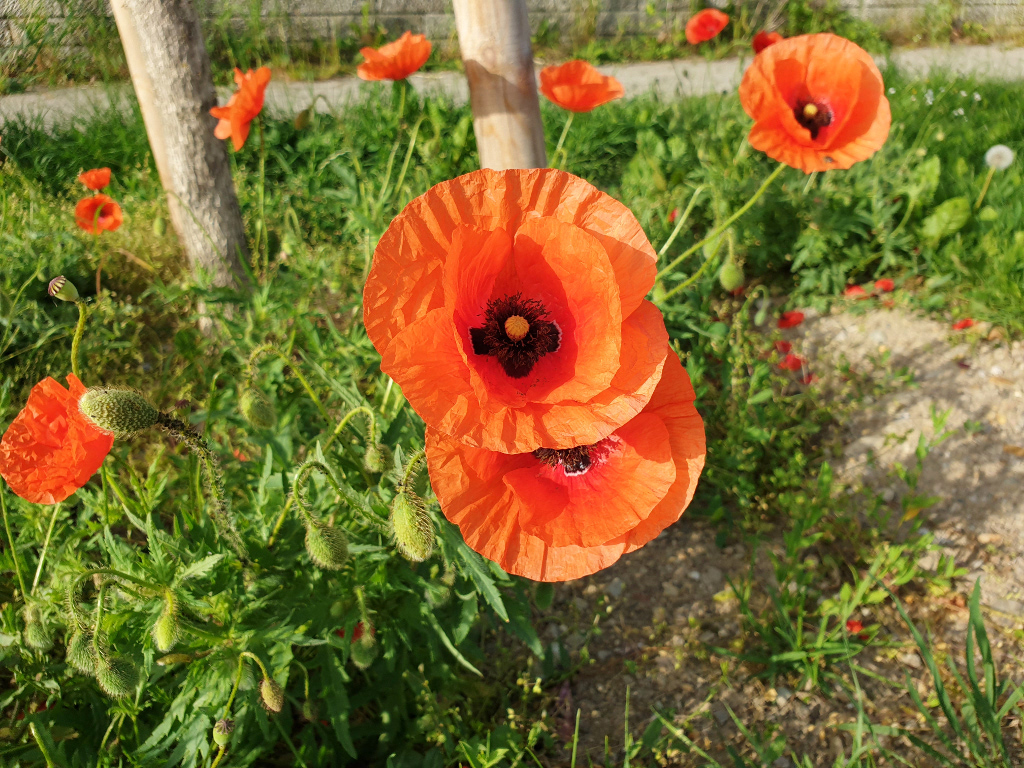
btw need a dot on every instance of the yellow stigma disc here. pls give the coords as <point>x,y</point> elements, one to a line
<point>516,327</point>
<point>810,110</point>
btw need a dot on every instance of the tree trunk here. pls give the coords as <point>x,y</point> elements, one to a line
<point>167,39</point>
<point>494,36</point>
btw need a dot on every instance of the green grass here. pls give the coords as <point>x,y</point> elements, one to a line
<point>330,194</point>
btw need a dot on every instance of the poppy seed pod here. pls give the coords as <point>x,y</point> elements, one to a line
<point>327,546</point>
<point>257,409</point>
<point>271,695</point>
<point>36,634</point>
<point>411,526</point>
<point>731,277</point>
<point>222,732</point>
<point>120,411</point>
<point>378,458</point>
<point>117,676</point>
<point>80,653</point>
<point>166,629</point>
<point>61,288</point>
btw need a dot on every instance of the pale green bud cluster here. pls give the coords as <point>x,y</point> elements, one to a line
<point>411,526</point>
<point>36,634</point>
<point>731,277</point>
<point>80,653</point>
<point>121,411</point>
<point>256,408</point>
<point>327,546</point>
<point>378,458</point>
<point>117,676</point>
<point>166,630</point>
<point>222,732</point>
<point>272,695</point>
<point>363,651</point>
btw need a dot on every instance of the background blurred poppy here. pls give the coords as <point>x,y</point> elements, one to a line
<point>763,39</point>
<point>791,319</point>
<point>578,87</point>
<point>395,60</point>
<point>704,25</point>
<point>95,179</point>
<point>97,213</point>
<point>243,106</point>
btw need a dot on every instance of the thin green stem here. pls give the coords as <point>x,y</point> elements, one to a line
<point>114,721</point>
<point>46,546</point>
<point>725,225</point>
<point>43,746</point>
<point>408,156</point>
<point>903,221</point>
<point>100,598</point>
<point>682,220</point>
<point>810,181</point>
<point>264,241</point>
<point>76,341</point>
<point>10,543</point>
<point>561,140</point>
<point>984,188</point>
<point>696,275</point>
<point>412,467</point>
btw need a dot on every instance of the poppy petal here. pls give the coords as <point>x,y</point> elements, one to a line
<point>578,86</point>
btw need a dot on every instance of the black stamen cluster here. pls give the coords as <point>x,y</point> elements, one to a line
<point>575,461</point>
<point>821,119</point>
<point>516,357</point>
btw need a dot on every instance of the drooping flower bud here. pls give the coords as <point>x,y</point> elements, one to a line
<point>302,119</point>
<point>327,545</point>
<point>411,526</point>
<point>256,408</point>
<point>61,288</point>
<point>117,676</point>
<point>159,226</point>
<point>222,732</point>
<point>378,458</point>
<point>166,629</point>
<point>363,651</point>
<point>80,653</point>
<point>121,411</point>
<point>544,596</point>
<point>36,634</point>
<point>310,711</point>
<point>731,277</point>
<point>272,695</point>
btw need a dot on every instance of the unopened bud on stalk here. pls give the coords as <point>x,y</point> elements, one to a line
<point>378,458</point>
<point>256,408</point>
<point>327,546</point>
<point>222,732</point>
<point>310,711</point>
<point>36,634</point>
<point>159,226</point>
<point>80,653</point>
<point>117,676</point>
<point>166,629</point>
<point>120,411</point>
<point>411,526</point>
<point>61,288</point>
<point>363,652</point>
<point>272,695</point>
<point>731,277</point>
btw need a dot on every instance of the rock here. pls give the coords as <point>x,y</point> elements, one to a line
<point>1001,604</point>
<point>784,695</point>
<point>604,655</point>
<point>782,762</point>
<point>659,615</point>
<point>677,641</point>
<point>714,578</point>
<point>615,587</point>
<point>583,606</point>
<point>695,575</point>
<point>989,538</point>
<point>929,561</point>
<point>911,659</point>
<point>721,714</point>
<point>669,589</point>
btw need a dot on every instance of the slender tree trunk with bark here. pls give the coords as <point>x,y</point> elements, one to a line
<point>164,44</point>
<point>494,36</point>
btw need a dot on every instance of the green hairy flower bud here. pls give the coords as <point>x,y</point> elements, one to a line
<point>61,289</point>
<point>310,711</point>
<point>120,411</point>
<point>222,732</point>
<point>411,527</point>
<point>117,676</point>
<point>378,458</point>
<point>166,629</point>
<point>327,546</point>
<point>159,226</point>
<point>731,277</point>
<point>544,596</point>
<point>80,653</point>
<point>363,652</point>
<point>36,634</point>
<point>256,408</point>
<point>272,695</point>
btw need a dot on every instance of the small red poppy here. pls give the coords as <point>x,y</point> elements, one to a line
<point>237,453</point>
<point>855,627</point>
<point>791,319</point>
<point>395,60</point>
<point>673,215</point>
<point>885,285</point>
<point>783,347</point>
<point>97,213</point>
<point>855,292</point>
<point>51,450</point>
<point>961,325</point>
<point>810,378</point>
<point>792,362</point>
<point>763,39</point>
<point>243,106</point>
<point>705,25</point>
<point>96,179</point>
<point>357,632</point>
<point>578,87</point>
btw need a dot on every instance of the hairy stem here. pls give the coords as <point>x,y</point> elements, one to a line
<point>984,188</point>
<point>76,341</point>
<point>682,220</point>
<point>561,140</point>
<point>46,546</point>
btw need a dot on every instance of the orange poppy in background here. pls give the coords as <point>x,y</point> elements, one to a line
<point>705,25</point>
<point>243,106</point>
<point>97,213</point>
<point>395,60</point>
<point>791,318</point>
<point>763,39</point>
<point>817,102</point>
<point>95,179</point>
<point>556,515</point>
<point>509,306</point>
<point>578,87</point>
<point>51,450</point>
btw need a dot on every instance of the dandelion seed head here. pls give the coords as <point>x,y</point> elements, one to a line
<point>999,157</point>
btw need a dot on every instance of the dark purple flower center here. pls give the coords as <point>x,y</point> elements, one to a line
<point>575,461</point>
<point>516,332</point>
<point>812,116</point>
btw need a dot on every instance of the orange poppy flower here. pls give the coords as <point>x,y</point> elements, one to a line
<point>705,25</point>
<point>51,450</point>
<point>791,319</point>
<point>97,213</point>
<point>509,306</point>
<point>96,179</point>
<point>885,285</point>
<point>395,60</point>
<point>554,515</point>
<point>792,362</point>
<point>961,325</point>
<point>243,106</point>
<point>578,87</point>
<point>763,39</point>
<point>817,102</point>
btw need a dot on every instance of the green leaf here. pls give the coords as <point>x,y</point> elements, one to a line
<point>428,614</point>
<point>336,698</point>
<point>199,568</point>
<point>474,567</point>
<point>947,219</point>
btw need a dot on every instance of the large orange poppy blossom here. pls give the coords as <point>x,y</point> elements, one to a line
<point>395,60</point>
<point>243,106</point>
<point>51,449</point>
<point>509,306</point>
<point>817,102</point>
<point>559,515</point>
<point>97,213</point>
<point>95,179</point>
<point>704,25</point>
<point>578,87</point>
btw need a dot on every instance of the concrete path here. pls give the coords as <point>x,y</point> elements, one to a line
<point>687,77</point>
